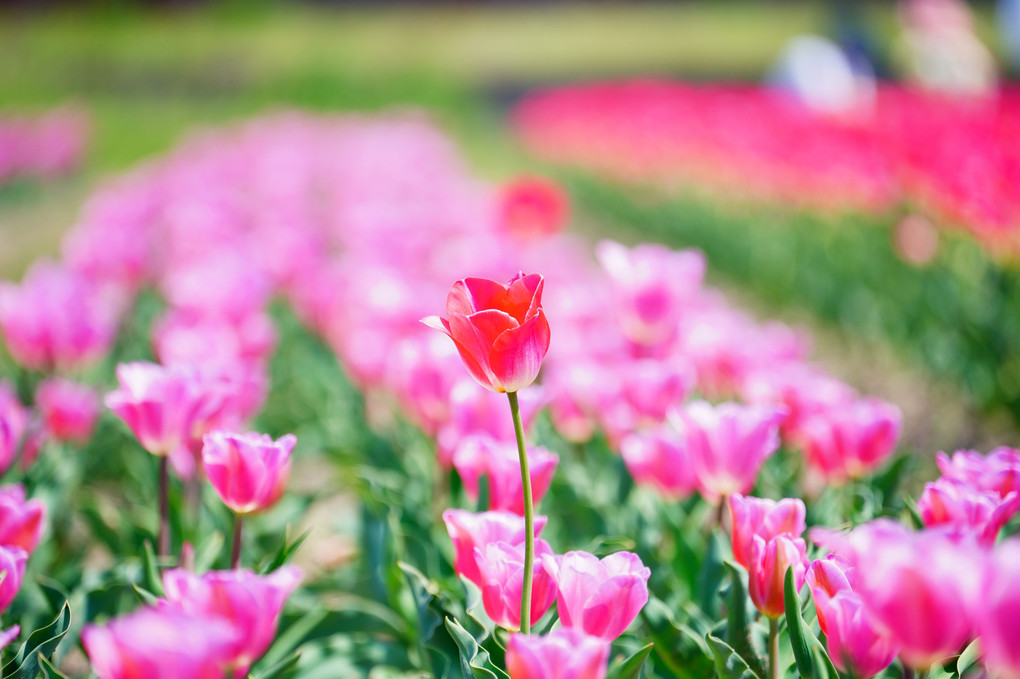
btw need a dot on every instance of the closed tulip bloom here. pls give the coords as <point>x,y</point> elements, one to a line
<point>958,505</point>
<point>997,619</point>
<point>532,207</point>
<point>751,516</point>
<point>659,459</point>
<point>161,643</point>
<point>500,330</point>
<point>850,441</point>
<point>728,443</point>
<point>997,471</point>
<point>479,456</point>
<point>250,603</point>
<point>248,471</point>
<point>599,597</point>
<point>69,409</point>
<point>501,567</point>
<point>770,559</point>
<point>469,531</point>
<point>12,565</point>
<point>561,654</point>
<point>21,521</point>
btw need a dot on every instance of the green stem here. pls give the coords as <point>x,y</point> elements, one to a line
<point>773,648</point>
<point>529,516</point>
<point>235,553</point>
<point>164,506</point>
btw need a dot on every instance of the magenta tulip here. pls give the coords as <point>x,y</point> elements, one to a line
<point>21,521</point>
<point>601,598</point>
<point>532,207</point>
<point>501,568</point>
<point>770,559</point>
<point>997,611</point>
<point>659,459</point>
<point>968,510</point>
<point>469,531</point>
<point>69,409</point>
<point>850,441</point>
<point>561,654</point>
<point>12,566</point>
<point>499,463</point>
<point>752,516</point>
<point>500,330</point>
<point>997,471</point>
<point>249,603</point>
<point>248,471</point>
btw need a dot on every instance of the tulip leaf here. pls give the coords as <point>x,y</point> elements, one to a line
<point>208,551</point>
<point>474,660</point>
<point>631,667</point>
<point>153,580</point>
<point>144,595</point>
<point>969,657</point>
<point>285,553</point>
<point>711,576</point>
<point>738,624</point>
<point>42,642</point>
<point>678,647</point>
<point>812,660</point>
<point>285,668</point>
<point>48,670</point>
<point>290,638</point>
<point>728,664</point>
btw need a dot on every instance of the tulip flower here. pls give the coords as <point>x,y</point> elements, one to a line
<point>531,207</point>
<point>12,565</point>
<point>21,521</point>
<point>855,644</point>
<point>850,441</point>
<point>998,603</point>
<point>997,471</point>
<point>249,603</point>
<point>601,598</point>
<point>68,409</point>
<point>502,572</point>
<point>422,375</point>
<point>248,472</point>
<point>659,459</point>
<point>770,559</point>
<point>957,504</point>
<point>13,425</point>
<point>470,531</point>
<point>561,654</point>
<point>728,443</point>
<point>767,519</point>
<point>160,643</point>
<point>803,390</point>
<point>500,330</point>
<point>639,393</point>
<point>498,462</point>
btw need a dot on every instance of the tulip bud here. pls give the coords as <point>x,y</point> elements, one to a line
<point>751,516</point>
<point>248,471</point>
<point>767,575</point>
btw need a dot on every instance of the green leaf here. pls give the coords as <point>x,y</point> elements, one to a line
<point>285,668</point>
<point>144,595</point>
<point>738,624</point>
<point>285,553</point>
<point>631,667</point>
<point>728,664</point>
<point>292,637</point>
<point>969,657</point>
<point>813,661</point>
<point>48,670</point>
<point>42,642</point>
<point>710,577</point>
<point>153,580</point>
<point>208,551</point>
<point>474,660</point>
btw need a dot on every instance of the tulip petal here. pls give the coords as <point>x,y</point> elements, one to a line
<point>474,335</point>
<point>517,354</point>
<point>475,294</point>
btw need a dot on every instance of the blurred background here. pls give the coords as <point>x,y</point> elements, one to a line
<point>849,166</point>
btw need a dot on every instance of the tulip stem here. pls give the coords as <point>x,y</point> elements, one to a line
<point>773,648</point>
<point>529,516</point>
<point>164,506</point>
<point>235,552</point>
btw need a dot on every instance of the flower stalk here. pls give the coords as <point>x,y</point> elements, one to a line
<point>529,516</point>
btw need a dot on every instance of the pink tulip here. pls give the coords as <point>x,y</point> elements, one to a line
<point>767,519</point>
<point>638,393</point>
<point>14,421</point>
<point>248,471</point>
<point>657,458</point>
<point>531,207</point>
<point>770,559</point>
<point>956,504</point>
<point>422,375</point>
<point>850,441</point>
<point>249,603</point>
<point>728,443</point>
<point>12,565</point>
<point>500,464</point>
<point>21,521</point>
<point>162,405</point>
<point>998,604</point>
<point>572,398</point>
<point>561,654</point>
<point>55,320</point>
<point>601,598</point>
<point>501,568</point>
<point>855,644</point>
<point>997,471</point>
<point>469,531</point>
<point>183,336</point>
<point>802,389</point>
<point>8,635</point>
<point>160,644</point>
<point>500,330</point>
<point>69,409</point>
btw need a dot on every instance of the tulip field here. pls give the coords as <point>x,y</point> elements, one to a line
<point>310,394</point>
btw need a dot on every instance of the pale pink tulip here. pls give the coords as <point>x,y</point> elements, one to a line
<point>561,654</point>
<point>469,531</point>
<point>501,569</point>
<point>500,464</point>
<point>997,471</point>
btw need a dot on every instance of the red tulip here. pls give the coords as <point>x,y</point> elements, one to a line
<point>500,330</point>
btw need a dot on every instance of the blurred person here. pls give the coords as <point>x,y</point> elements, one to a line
<point>941,50</point>
<point>819,74</point>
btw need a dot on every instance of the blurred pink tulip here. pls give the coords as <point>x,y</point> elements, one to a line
<point>658,458</point>
<point>469,531</point>
<point>500,330</point>
<point>572,397</point>
<point>997,471</point>
<point>728,443</point>
<point>770,559</point>
<point>248,471</point>
<point>561,654</point>
<point>855,644</point>
<point>752,516</point>
<point>501,568</point>
<point>532,207</point>
<point>956,504</point>
<point>160,644</point>
<point>637,393</point>
<point>183,336</point>
<point>422,375</point>
<point>802,389</point>
<point>14,421</point>
<point>21,521</point>
<point>69,409</point>
<point>249,603</point>
<point>599,597</point>
<point>12,565</point>
<point>998,603</point>
<point>850,441</point>
<point>479,456</point>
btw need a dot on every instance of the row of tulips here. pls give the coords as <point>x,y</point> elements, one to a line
<point>42,147</point>
<point>332,216</point>
<point>955,160</point>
